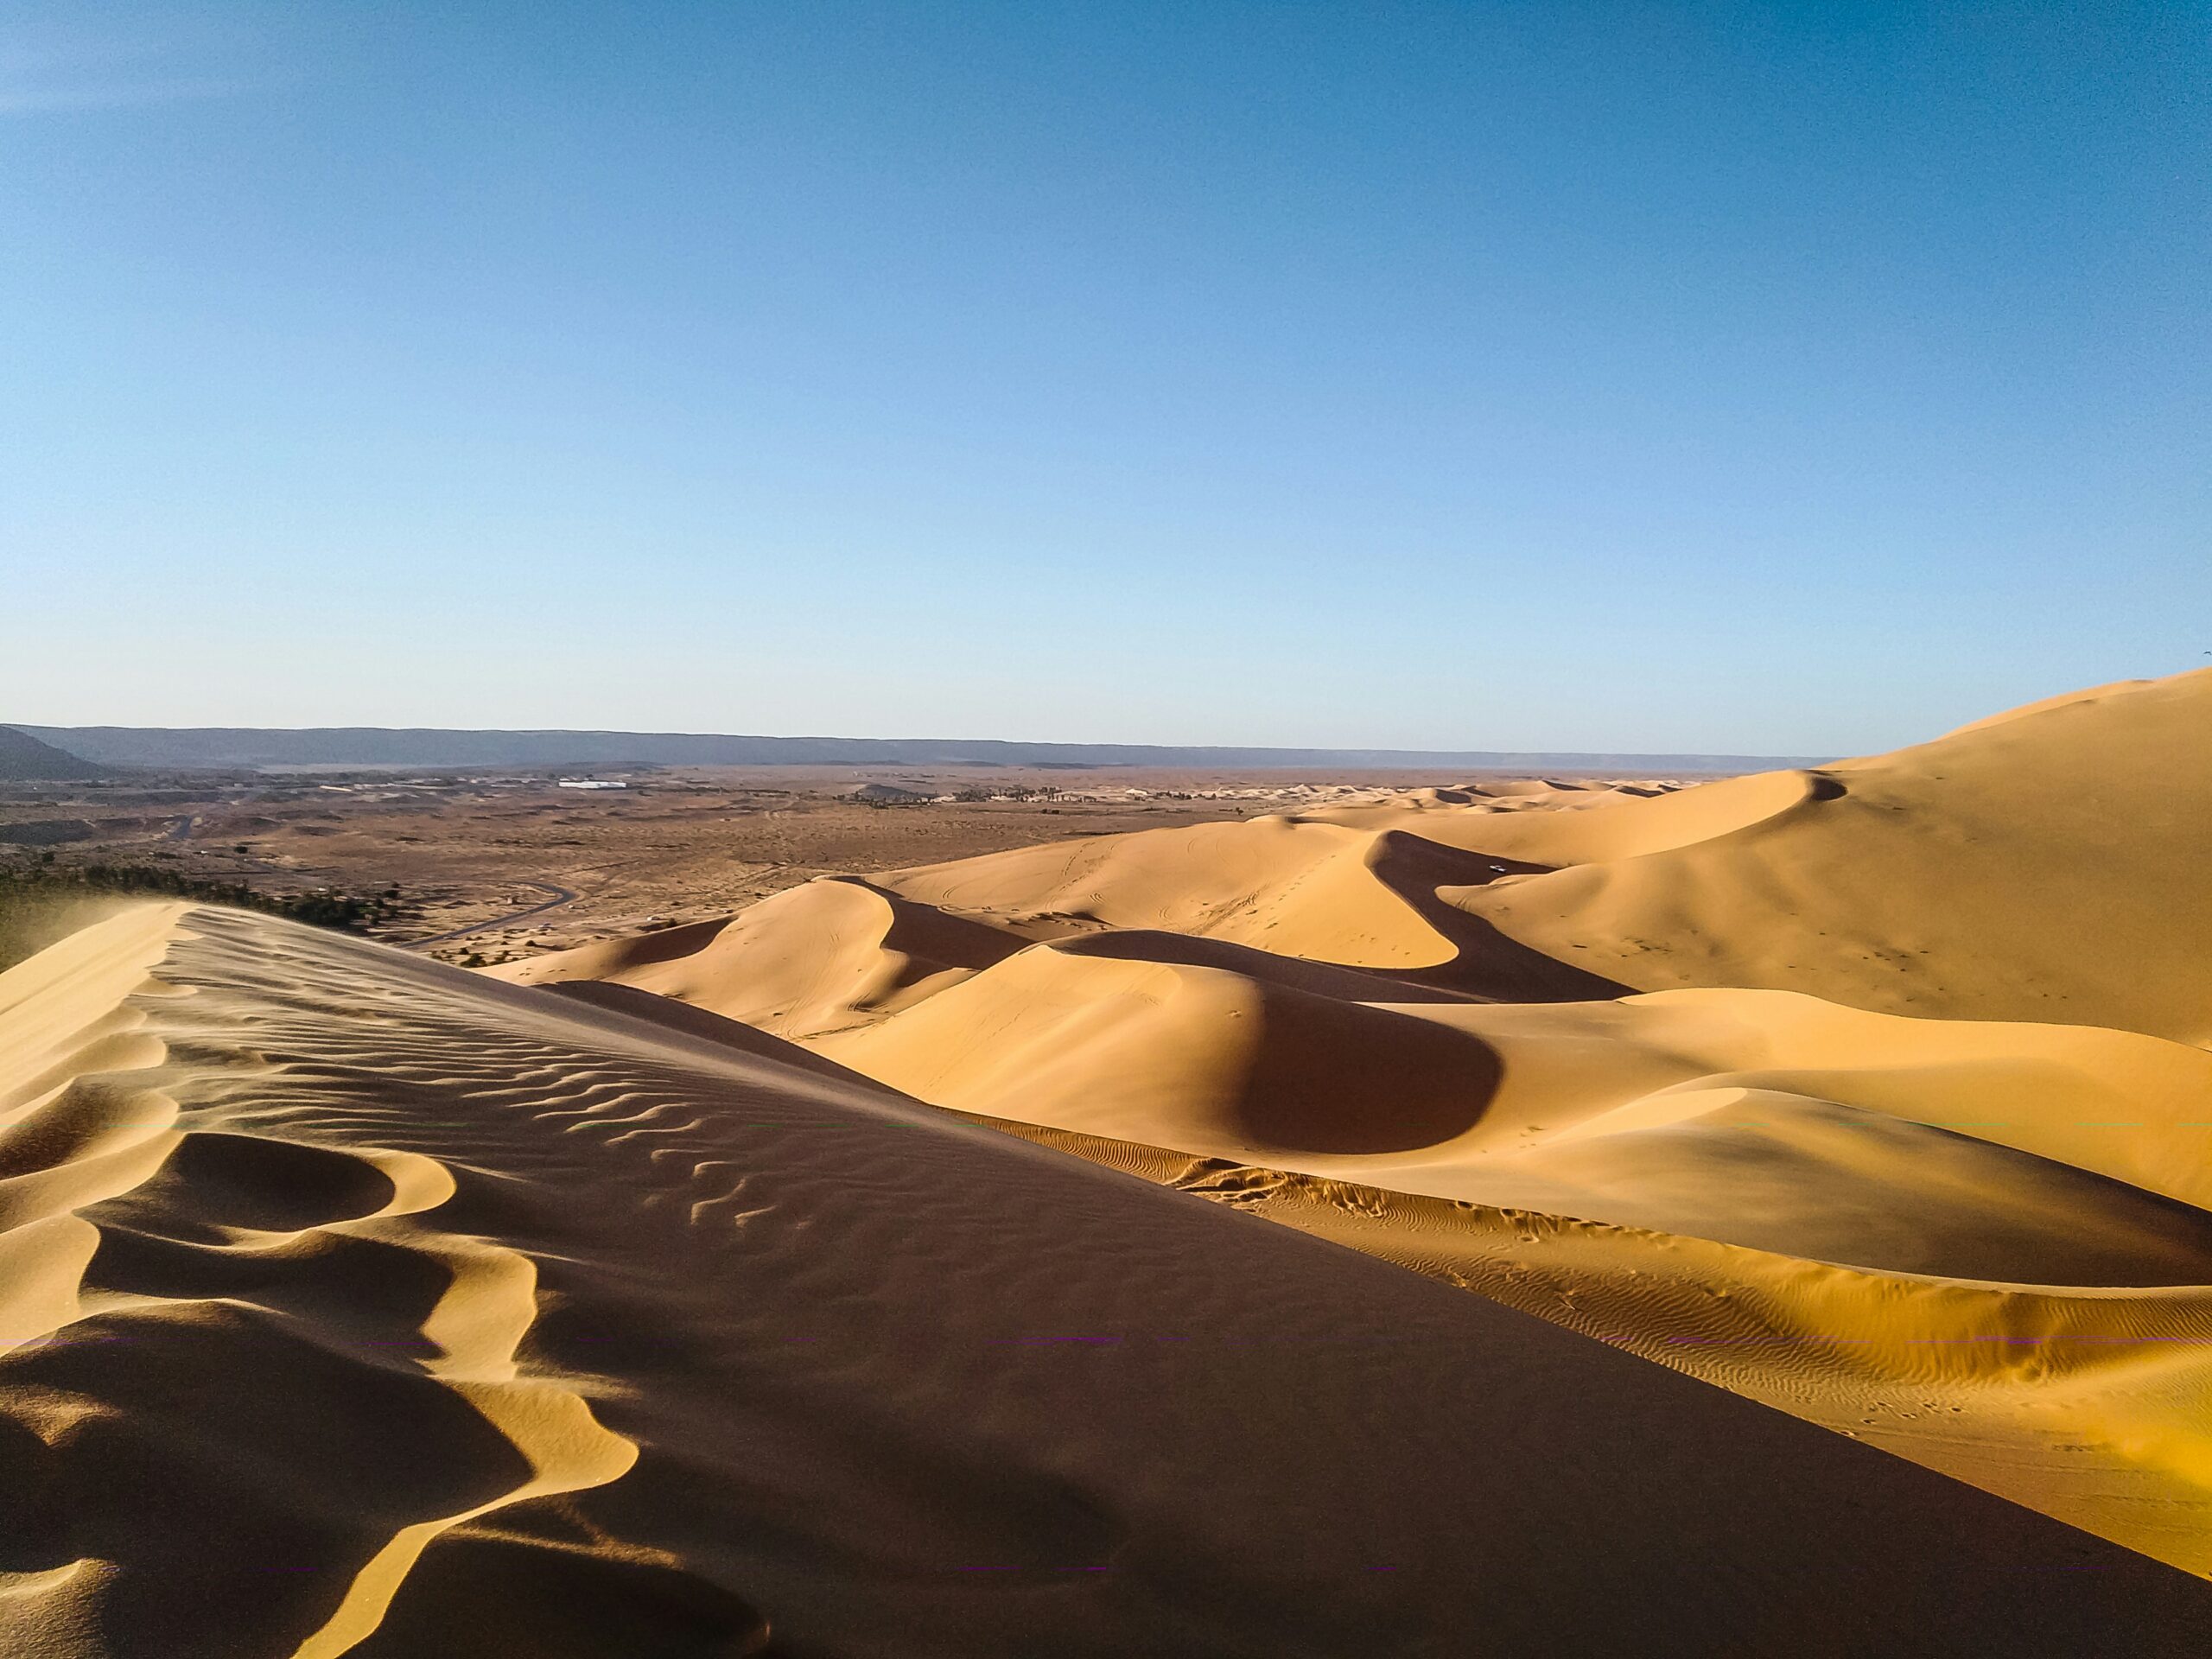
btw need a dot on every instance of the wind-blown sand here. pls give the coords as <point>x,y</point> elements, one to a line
<point>359,1305</point>
<point>355,1304</point>
<point>1878,1093</point>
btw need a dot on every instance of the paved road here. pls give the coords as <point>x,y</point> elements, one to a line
<point>560,896</point>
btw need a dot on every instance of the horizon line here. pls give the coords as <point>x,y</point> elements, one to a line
<point>228,744</point>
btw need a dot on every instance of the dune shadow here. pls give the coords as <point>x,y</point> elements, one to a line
<point>666,1015</point>
<point>1331,1077</point>
<point>1486,963</point>
<point>487,1596</point>
<point>1292,973</point>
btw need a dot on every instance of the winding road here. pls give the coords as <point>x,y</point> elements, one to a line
<point>183,827</point>
<point>560,896</point>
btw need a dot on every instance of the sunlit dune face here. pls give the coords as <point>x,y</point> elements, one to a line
<point>1907,1132</point>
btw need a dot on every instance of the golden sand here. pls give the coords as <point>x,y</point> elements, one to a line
<point>1878,1093</point>
<point>356,1305</point>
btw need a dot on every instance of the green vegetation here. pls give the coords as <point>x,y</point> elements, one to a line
<point>41,901</point>
<point>1008,792</point>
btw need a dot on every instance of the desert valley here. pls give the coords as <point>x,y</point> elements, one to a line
<point>1770,1215</point>
<point>844,829</point>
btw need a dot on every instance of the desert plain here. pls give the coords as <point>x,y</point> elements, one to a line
<point>1756,1216</point>
<point>487,864</point>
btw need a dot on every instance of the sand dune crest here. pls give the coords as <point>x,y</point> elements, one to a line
<point>1884,1077</point>
<point>466,1319</point>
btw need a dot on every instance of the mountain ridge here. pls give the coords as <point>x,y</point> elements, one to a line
<point>278,747</point>
<point>25,757</point>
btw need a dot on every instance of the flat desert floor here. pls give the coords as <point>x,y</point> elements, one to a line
<point>1767,1217</point>
<point>488,866</point>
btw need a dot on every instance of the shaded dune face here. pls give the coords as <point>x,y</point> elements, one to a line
<point>835,952</point>
<point>1127,1045</point>
<point>1782,1171</point>
<point>1417,1084</point>
<point>249,1182</point>
<point>2046,866</point>
<point>1911,1051</point>
<point>1606,826</point>
<point>352,1304</point>
<point>390,1311</point>
<point>1433,881</point>
<point>838,952</point>
<point>1752,1118</point>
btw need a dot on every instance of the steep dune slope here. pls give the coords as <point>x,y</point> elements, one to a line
<point>2087,1403</point>
<point>362,1307</point>
<point>819,959</point>
<point>2047,866</point>
<point>834,952</point>
<point>1886,1081</point>
<point>1592,826</point>
<point>1302,889</point>
<point>2050,865</point>
<point>2050,1154</point>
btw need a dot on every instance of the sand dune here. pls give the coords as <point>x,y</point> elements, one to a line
<point>361,1306</point>
<point>1879,1093</point>
<point>2035,866</point>
<point>2087,1404</point>
<point>833,953</point>
<point>776,1285</point>
<point>2033,869</point>
<point>2045,865</point>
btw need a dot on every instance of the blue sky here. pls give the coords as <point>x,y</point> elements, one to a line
<point>1788,378</point>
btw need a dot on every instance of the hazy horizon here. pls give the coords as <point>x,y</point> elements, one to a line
<point>324,748</point>
<point>892,733</point>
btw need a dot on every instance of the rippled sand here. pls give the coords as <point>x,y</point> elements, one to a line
<point>356,1305</point>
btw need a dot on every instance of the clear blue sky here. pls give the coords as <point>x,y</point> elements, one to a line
<point>1781,379</point>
